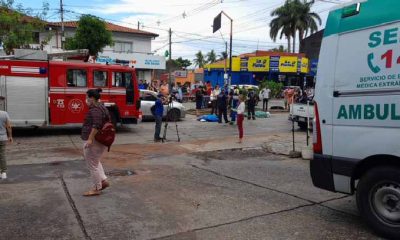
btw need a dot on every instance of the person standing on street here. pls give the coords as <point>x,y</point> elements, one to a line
<point>158,114</point>
<point>264,96</point>
<point>240,117</point>
<point>5,135</point>
<point>95,118</point>
<point>251,105</point>
<point>199,99</point>
<point>222,103</point>
<point>233,104</point>
<point>213,97</point>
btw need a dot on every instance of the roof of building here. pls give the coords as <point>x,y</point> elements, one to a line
<point>110,26</point>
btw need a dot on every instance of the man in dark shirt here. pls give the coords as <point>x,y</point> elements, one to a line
<point>222,103</point>
<point>251,105</point>
<point>158,114</point>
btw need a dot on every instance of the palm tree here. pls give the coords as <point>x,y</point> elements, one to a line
<point>282,24</point>
<point>222,56</point>
<point>211,57</point>
<point>306,21</point>
<point>199,61</point>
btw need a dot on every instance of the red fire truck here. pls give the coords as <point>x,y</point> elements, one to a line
<point>51,93</point>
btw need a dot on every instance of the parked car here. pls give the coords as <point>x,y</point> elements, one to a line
<point>174,112</point>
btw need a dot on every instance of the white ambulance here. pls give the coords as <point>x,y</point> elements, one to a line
<point>357,110</point>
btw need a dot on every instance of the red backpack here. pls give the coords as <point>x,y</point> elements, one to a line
<point>106,135</point>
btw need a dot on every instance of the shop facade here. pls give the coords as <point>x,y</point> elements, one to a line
<point>291,69</point>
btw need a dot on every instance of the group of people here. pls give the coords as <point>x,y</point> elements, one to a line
<point>295,94</point>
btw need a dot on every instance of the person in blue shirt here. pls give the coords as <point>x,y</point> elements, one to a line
<point>158,114</point>
<point>141,85</point>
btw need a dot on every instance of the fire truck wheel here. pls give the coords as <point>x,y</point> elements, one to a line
<point>173,115</point>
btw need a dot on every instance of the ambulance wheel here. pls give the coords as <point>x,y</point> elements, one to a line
<point>173,115</point>
<point>378,200</point>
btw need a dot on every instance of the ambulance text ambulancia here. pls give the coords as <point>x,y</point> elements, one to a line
<point>357,110</point>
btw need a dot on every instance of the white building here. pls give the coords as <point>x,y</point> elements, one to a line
<point>131,47</point>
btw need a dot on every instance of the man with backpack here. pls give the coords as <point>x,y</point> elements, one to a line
<point>251,105</point>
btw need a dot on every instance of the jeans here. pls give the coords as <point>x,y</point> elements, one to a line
<point>251,112</point>
<point>3,163</point>
<point>265,104</point>
<point>158,127</point>
<point>214,107</point>
<point>222,111</point>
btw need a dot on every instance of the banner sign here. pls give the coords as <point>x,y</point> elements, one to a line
<point>288,64</point>
<point>258,64</point>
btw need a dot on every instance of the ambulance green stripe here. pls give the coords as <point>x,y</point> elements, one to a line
<point>372,13</point>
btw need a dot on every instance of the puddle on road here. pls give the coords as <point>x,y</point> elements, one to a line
<point>236,154</point>
<point>121,173</point>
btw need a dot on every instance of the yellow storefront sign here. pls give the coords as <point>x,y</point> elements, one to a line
<point>288,64</point>
<point>221,65</point>
<point>258,64</point>
<point>304,65</point>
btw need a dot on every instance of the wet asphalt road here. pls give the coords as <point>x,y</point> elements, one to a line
<point>183,190</point>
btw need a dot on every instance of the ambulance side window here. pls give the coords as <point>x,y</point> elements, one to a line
<point>76,78</point>
<point>100,78</point>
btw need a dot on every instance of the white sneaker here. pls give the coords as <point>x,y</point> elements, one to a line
<point>3,175</point>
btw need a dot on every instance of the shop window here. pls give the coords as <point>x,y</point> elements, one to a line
<point>76,78</point>
<point>100,78</point>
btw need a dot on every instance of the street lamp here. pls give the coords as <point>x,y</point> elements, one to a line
<point>216,27</point>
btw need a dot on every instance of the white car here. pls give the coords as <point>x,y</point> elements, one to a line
<point>174,112</point>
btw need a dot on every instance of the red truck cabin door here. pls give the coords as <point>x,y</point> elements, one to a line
<point>75,94</point>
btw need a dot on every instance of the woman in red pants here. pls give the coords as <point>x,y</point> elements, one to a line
<point>240,117</point>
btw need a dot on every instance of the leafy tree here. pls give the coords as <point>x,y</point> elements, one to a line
<point>91,34</point>
<point>282,23</point>
<point>281,48</point>
<point>199,61</point>
<point>182,63</point>
<point>293,16</point>
<point>223,55</point>
<point>306,21</point>
<point>18,25</point>
<point>211,57</point>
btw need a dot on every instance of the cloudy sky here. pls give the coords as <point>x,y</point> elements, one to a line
<point>190,21</point>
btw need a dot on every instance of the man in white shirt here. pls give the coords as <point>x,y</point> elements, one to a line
<point>264,96</point>
<point>5,135</point>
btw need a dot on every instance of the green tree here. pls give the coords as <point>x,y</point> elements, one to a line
<point>211,57</point>
<point>282,23</point>
<point>306,21</point>
<point>222,56</point>
<point>199,61</point>
<point>18,25</point>
<point>281,48</point>
<point>294,16</point>
<point>91,34</point>
<point>182,63</point>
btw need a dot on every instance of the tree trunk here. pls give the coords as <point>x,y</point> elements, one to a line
<point>294,41</point>
<point>288,45</point>
<point>301,37</point>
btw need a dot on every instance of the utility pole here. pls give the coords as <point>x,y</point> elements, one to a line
<point>226,61</point>
<point>62,23</point>
<point>170,61</point>
<point>138,25</point>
